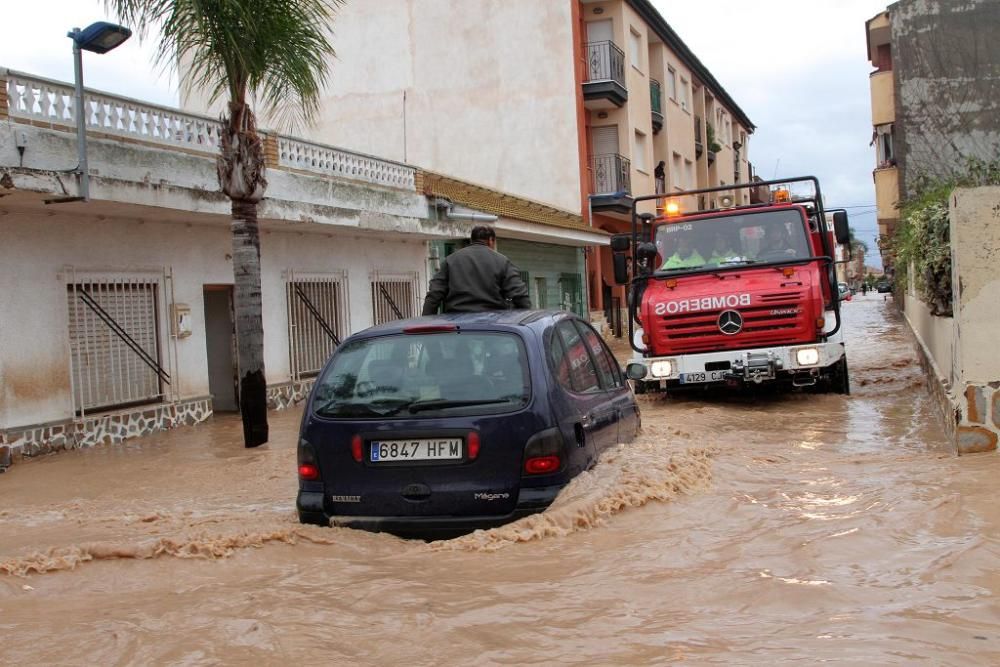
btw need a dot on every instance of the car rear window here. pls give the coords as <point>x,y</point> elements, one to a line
<point>425,375</point>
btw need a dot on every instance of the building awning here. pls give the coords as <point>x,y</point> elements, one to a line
<point>527,231</point>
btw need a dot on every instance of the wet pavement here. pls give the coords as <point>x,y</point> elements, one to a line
<point>791,528</point>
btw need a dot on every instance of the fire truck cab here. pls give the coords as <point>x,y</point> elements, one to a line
<point>738,295</point>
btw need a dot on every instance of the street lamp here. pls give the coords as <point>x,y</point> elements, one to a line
<point>99,37</point>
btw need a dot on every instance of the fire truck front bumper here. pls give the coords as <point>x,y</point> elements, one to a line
<point>802,364</point>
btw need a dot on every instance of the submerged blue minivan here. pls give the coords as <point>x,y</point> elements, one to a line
<point>449,423</point>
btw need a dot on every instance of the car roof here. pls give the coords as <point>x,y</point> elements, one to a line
<point>489,320</point>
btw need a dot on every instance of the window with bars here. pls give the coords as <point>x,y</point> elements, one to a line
<point>317,320</point>
<point>114,343</point>
<point>393,297</point>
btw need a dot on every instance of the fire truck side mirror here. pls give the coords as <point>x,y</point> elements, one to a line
<point>841,230</point>
<point>620,244</point>
<point>620,263</point>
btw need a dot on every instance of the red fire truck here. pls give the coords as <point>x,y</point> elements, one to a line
<point>738,295</point>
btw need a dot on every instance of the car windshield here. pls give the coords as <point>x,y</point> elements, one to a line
<point>425,375</point>
<point>751,238</point>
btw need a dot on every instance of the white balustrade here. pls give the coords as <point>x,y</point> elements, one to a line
<point>42,100</point>
<point>321,159</point>
<point>39,99</point>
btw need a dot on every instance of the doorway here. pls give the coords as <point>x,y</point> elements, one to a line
<point>220,344</point>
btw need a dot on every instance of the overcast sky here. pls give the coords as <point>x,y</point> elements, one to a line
<point>797,69</point>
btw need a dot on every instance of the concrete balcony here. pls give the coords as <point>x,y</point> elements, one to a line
<point>611,183</point>
<point>883,97</point>
<point>886,192</point>
<point>656,104</point>
<point>604,83</point>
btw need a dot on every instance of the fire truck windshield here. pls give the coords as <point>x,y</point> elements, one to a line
<point>749,238</point>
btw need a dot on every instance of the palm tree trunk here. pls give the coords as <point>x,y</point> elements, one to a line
<point>241,174</point>
<point>249,322</point>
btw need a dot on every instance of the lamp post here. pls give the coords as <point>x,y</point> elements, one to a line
<point>99,37</point>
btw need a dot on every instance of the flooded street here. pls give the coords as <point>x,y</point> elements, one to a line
<point>786,528</point>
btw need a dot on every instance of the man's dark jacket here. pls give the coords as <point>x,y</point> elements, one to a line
<point>474,279</point>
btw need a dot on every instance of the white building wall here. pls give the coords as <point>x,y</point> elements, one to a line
<point>490,93</point>
<point>33,308</point>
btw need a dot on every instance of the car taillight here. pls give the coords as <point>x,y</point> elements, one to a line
<point>472,443</point>
<point>540,465</point>
<point>544,452</point>
<point>308,468</point>
<point>356,448</point>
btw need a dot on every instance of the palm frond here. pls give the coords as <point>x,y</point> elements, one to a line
<point>275,51</point>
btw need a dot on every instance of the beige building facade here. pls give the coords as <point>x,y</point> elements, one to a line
<point>655,120</point>
<point>935,96</point>
<point>883,101</point>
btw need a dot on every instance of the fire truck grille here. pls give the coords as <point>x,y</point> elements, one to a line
<point>779,320</point>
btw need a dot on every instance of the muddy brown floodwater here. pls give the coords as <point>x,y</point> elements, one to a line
<point>789,528</point>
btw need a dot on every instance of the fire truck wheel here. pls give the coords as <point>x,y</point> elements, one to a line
<point>639,386</point>
<point>840,380</point>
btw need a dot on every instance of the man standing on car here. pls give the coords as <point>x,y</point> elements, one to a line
<point>476,278</point>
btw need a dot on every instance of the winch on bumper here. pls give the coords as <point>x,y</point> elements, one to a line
<point>802,364</point>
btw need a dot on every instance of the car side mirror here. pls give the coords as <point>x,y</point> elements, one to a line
<point>635,371</point>
<point>841,230</point>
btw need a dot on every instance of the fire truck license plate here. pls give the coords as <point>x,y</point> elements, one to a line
<point>706,376</point>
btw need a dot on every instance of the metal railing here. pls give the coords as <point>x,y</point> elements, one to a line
<point>318,315</point>
<point>47,102</point>
<point>655,96</point>
<point>611,173</point>
<point>605,62</point>
<point>394,296</point>
<point>118,341</point>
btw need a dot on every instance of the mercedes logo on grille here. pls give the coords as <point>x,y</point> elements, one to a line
<point>730,322</point>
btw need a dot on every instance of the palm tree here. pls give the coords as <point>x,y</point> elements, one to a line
<point>275,52</point>
<point>856,243</point>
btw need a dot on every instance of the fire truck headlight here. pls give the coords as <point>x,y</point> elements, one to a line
<point>807,356</point>
<point>661,369</point>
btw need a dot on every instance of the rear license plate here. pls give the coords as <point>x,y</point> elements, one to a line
<point>441,449</point>
<point>706,376</point>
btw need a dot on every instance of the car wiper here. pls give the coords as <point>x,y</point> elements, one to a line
<point>433,403</point>
<point>334,408</point>
<point>745,260</point>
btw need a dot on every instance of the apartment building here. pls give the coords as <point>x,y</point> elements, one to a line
<point>655,120</point>
<point>934,96</point>
<point>572,104</point>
